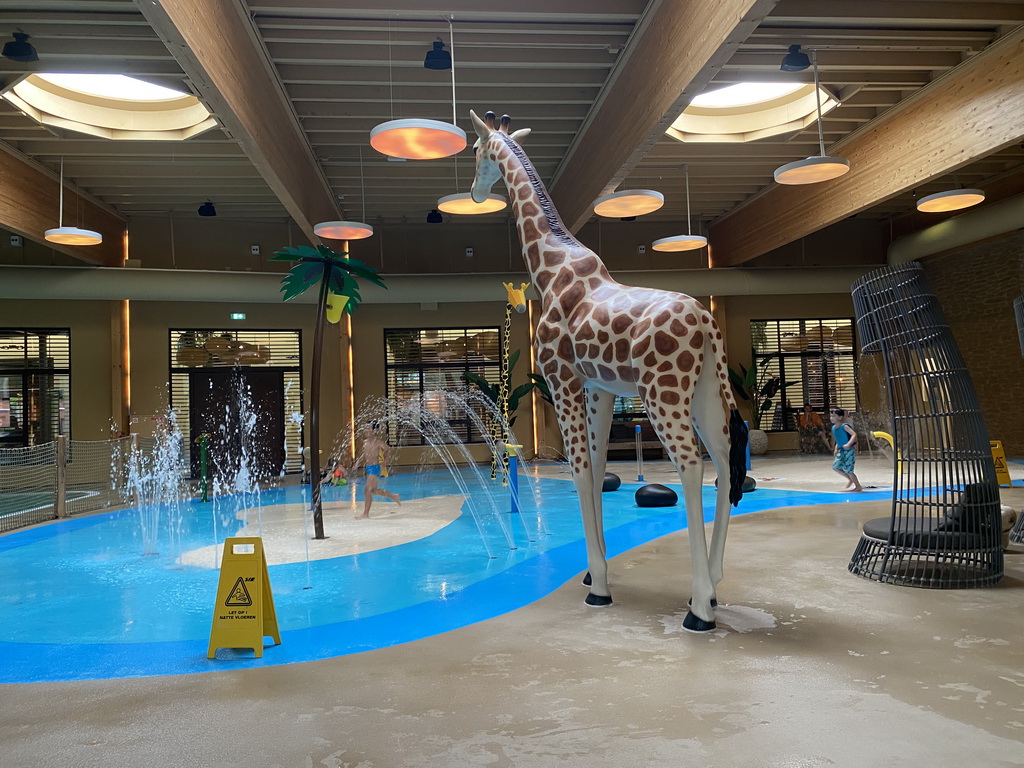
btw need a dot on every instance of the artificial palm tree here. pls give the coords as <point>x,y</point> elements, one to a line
<point>337,275</point>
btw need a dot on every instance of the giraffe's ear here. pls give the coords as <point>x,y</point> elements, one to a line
<point>481,127</point>
<point>519,135</point>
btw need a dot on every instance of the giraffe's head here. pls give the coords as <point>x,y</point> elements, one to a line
<point>517,296</point>
<point>486,149</point>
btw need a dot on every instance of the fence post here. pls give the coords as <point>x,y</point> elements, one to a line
<point>61,480</point>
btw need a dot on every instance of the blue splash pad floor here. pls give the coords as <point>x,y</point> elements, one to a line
<point>81,602</point>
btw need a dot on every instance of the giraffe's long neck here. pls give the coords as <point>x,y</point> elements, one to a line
<point>548,248</point>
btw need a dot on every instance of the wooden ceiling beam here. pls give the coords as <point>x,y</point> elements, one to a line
<point>651,84</point>
<point>891,13</point>
<point>970,113</point>
<point>216,44</point>
<point>29,206</point>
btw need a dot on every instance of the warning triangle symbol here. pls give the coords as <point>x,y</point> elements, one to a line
<point>238,595</point>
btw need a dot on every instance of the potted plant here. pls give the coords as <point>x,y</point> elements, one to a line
<point>759,386</point>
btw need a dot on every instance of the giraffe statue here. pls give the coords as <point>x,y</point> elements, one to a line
<point>597,339</point>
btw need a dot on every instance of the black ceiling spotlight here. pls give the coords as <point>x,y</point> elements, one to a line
<point>795,60</point>
<point>438,57</point>
<point>434,217</point>
<point>20,49</point>
<point>207,209</point>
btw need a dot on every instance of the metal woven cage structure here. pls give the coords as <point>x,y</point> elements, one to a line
<point>1017,534</point>
<point>944,530</point>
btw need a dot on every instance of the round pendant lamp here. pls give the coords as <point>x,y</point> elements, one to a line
<point>416,139</point>
<point>420,139</point>
<point>950,200</point>
<point>687,242</point>
<point>69,235</point>
<point>347,230</point>
<point>628,202</point>
<point>821,167</point>
<point>343,230</point>
<point>463,203</point>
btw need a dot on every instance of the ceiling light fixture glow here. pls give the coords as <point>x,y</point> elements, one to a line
<point>950,200</point>
<point>628,202</point>
<point>687,242</point>
<point>812,170</point>
<point>343,230</point>
<point>420,139</point>
<point>347,230</point>
<point>69,235</point>
<point>463,203</point>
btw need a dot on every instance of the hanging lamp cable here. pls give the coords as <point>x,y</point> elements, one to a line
<point>817,99</point>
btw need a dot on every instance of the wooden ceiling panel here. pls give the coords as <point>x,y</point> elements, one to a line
<point>591,79</point>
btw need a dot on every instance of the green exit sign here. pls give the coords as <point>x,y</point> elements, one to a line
<point>238,315</point>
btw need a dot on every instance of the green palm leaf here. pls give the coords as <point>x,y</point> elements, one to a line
<point>300,278</point>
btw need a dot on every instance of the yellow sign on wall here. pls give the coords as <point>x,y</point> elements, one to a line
<point>244,612</point>
<point>999,459</point>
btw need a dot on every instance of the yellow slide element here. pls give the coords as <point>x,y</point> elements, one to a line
<point>888,438</point>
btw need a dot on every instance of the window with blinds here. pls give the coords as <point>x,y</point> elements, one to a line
<point>35,385</point>
<point>192,348</point>
<point>423,363</point>
<point>815,361</point>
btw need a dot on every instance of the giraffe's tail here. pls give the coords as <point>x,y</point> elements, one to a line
<point>737,456</point>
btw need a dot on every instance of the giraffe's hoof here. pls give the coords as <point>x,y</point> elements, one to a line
<point>714,602</point>
<point>599,601</point>
<point>587,581</point>
<point>694,623</point>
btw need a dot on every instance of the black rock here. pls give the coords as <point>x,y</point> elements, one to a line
<point>656,495</point>
<point>611,482</point>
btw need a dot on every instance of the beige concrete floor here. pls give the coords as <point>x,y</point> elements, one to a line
<point>810,667</point>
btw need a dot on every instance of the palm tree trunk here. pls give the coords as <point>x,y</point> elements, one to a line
<point>314,409</point>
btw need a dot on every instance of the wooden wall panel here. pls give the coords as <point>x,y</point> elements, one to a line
<point>29,206</point>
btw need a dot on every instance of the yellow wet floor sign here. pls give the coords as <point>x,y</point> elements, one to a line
<point>999,459</point>
<point>244,613</point>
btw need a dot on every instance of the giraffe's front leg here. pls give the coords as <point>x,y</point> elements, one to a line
<point>571,410</point>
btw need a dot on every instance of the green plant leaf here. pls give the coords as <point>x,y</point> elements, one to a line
<point>518,394</point>
<point>542,386</point>
<point>485,386</point>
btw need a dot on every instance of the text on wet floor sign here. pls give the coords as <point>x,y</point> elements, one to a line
<point>999,459</point>
<point>244,612</point>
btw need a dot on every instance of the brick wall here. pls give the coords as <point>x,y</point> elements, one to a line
<point>976,287</point>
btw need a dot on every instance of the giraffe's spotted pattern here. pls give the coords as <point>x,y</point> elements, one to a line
<point>594,334</point>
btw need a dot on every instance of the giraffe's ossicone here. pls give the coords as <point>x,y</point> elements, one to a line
<point>597,339</point>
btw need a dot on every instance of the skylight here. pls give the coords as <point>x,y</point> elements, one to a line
<point>113,107</point>
<point>751,111</point>
<point>743,94</point>
<point>112,86</point>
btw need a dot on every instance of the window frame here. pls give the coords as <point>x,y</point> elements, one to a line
<point>463,426</point>
<point>797,366</point>
<point>26,373</point>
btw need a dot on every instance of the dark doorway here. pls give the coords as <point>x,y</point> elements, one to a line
<point>221,400</point>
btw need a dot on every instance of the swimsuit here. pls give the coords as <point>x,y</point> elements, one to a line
<point>373,469</point>
<point>845,457</point>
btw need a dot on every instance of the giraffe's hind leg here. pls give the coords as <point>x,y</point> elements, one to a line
<point>712,418</point>
<point>600,405</point>
<point>673,423</point>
